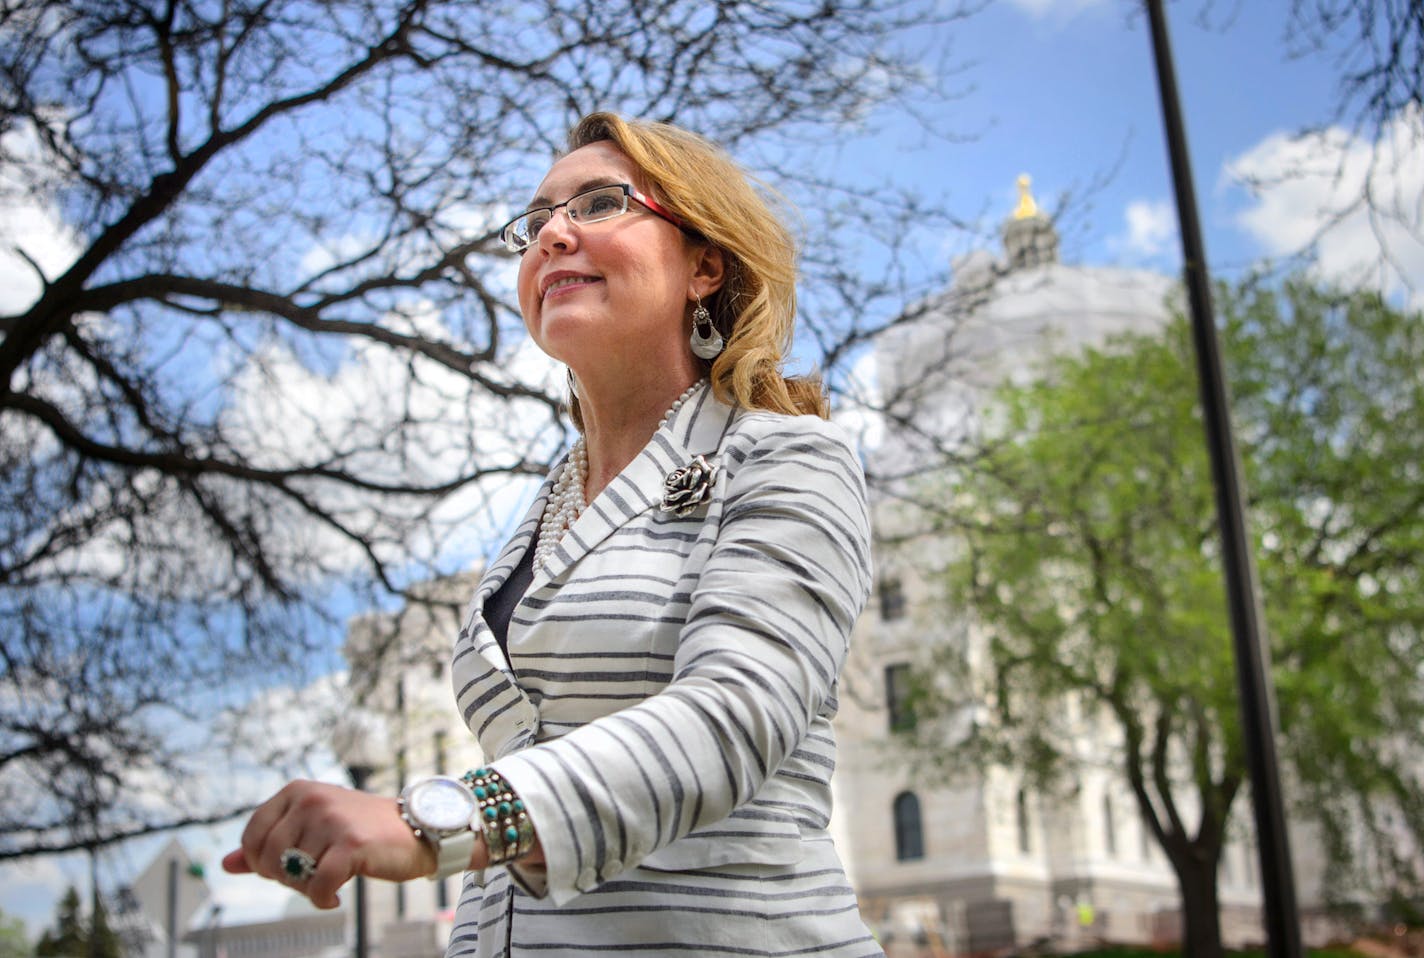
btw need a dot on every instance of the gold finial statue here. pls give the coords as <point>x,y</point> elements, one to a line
<point>1027,208</point>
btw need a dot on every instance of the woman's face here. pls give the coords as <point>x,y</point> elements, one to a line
<point>611,293</point>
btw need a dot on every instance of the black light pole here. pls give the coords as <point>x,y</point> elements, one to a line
<point>172,908</point>
<point>96,947</point>
<point>359,774</point>
<point>213,929</point>
<point>1258,712</point>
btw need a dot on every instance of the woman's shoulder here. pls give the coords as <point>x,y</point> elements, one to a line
<point>757,435</point>
<point>803,467</point>
<point>763,426</point>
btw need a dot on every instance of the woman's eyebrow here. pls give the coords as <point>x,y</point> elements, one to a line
<point>589,184</point>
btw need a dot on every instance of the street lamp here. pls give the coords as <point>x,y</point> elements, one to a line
<point>211,931</point>
<point>1258,712</point>
<point>359,774</point>
<point>359,742</point>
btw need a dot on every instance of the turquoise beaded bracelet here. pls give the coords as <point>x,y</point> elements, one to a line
<point>508,832</point>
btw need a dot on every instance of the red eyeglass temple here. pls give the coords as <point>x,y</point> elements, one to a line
<point>657,208</point>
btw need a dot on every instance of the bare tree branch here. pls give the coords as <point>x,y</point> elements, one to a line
<point>284,372</point>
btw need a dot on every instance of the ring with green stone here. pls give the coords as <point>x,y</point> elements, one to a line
<point>297,865</point>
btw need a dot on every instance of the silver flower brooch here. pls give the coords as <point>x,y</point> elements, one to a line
<point>687,488</point>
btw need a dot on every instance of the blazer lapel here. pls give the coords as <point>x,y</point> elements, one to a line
<point>696,427</point>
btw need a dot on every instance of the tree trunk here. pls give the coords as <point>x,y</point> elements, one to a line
<point>1201,913</point>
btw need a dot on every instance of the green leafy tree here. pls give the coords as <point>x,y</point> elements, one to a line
<point>104,939</point>
<point>68,936</point>
<point>75,937</point>
<point>14,943</point>
<point>1089,561</point>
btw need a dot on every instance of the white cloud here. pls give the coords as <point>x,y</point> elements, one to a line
<point>324,256</point>
<point>29,889</point>
<point>356,254</point>
<point>1057,8</point>
<point>1151,227</point>
<point>1148,237</point>
<point>1306,194</point>
<point>30,223</point>
<point>289,412</point>
<point>858,412</point>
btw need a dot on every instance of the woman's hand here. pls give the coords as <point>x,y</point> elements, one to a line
<point>347,832</point>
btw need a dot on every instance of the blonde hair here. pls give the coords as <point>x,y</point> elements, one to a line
<point>755,308</point>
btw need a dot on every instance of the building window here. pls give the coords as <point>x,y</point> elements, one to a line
<point>1109,827</point>
<point>1021,819</point>
<point>892,599</point>
<point>909,836</point>
<point>897,697</point>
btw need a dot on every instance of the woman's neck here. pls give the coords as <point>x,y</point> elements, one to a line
<point>620,418</point>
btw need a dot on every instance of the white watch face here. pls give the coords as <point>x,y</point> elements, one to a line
<point>441,804</point>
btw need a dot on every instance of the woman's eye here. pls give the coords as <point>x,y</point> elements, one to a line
<point>600,204</point>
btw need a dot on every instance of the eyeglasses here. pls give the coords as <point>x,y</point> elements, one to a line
<point>591,206</point>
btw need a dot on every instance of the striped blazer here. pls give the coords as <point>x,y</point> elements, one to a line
<point>665,706</point>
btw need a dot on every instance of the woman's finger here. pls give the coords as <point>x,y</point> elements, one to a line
<point>235,863</point>
<point>333,871</point>
<point>255,834</point>
<point>289,822</point>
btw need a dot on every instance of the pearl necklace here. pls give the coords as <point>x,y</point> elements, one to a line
<point>566,502</point>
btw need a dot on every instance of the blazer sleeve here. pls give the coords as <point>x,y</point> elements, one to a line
<point>757,661</point>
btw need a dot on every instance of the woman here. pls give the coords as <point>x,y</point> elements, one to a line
<point>651,664</point>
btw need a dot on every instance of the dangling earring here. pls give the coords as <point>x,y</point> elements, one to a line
<point>706,342</point>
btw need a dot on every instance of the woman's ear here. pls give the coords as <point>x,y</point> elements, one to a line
<point>708,271</point>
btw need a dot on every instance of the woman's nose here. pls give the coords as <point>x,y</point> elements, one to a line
<point>560,232</point>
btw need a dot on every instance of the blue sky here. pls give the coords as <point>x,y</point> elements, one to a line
<point>1063,90</point>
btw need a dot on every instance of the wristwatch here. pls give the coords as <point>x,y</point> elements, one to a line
<point>441,810</point>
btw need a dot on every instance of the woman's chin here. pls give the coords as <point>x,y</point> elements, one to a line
<point>569,334</point>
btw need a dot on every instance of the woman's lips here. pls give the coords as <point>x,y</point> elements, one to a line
<point>561,284</point>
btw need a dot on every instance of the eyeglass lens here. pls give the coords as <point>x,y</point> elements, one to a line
<point>590,206</point>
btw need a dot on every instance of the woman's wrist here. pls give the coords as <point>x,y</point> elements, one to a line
<point>504,825</point>
<point>492,828</point>
<point>441,812</point>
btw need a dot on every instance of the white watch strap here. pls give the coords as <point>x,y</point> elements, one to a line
<point>453,853</point>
